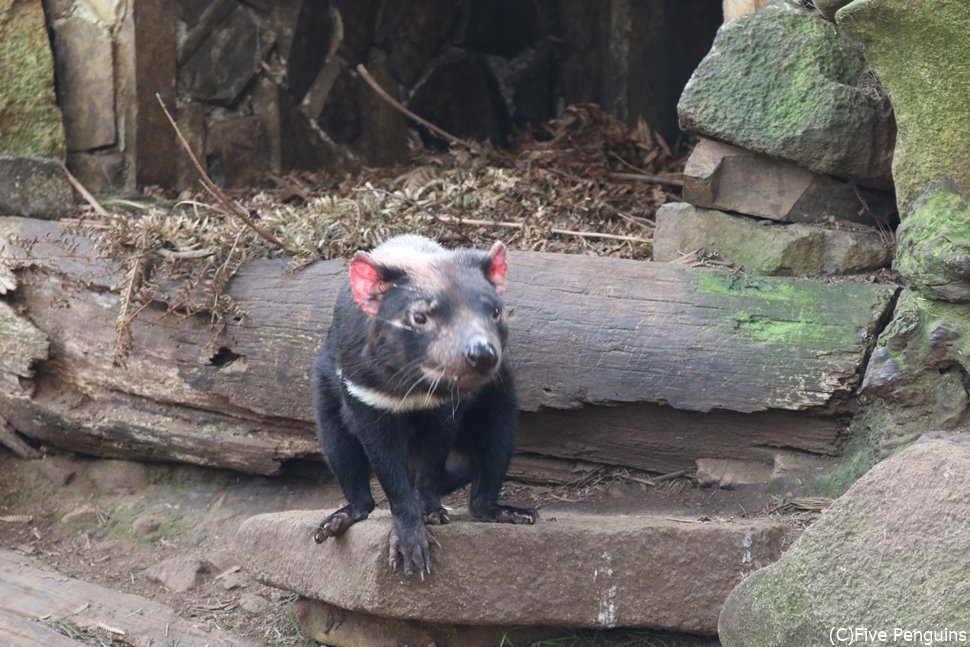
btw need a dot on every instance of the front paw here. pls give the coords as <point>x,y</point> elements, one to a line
<point>409,548</point>
<point>337,523</point>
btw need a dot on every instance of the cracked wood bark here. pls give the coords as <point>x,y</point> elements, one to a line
<point>30,591</point>
<point>585,331</point>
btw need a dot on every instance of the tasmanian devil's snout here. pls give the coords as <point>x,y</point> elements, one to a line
<point>414,371</point>
<point>480,353</point>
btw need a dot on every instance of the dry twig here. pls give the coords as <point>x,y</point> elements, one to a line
<point>214,189</point>
<point>394,103</point>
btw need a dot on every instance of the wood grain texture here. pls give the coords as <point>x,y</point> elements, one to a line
<point>584,331</point>
<point>29,590</point>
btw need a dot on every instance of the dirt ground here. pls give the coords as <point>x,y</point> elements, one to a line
<point>108,521</point>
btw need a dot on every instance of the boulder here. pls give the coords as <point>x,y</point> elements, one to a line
<point>35,187</point>
<point>761,248</point>
<point>918,50</point>
<point>31,119</point>
<point>892,554</point>
<point>569,569</point>
<point>933,244</point>
<point>915,377</point>
<point>783,82</point>
<point>725,177</point>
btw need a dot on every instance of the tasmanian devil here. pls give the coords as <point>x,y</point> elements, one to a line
<point>414,375</point>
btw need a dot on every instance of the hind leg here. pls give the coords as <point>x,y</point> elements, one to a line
<point>343,452</point>
<point>489,439</point>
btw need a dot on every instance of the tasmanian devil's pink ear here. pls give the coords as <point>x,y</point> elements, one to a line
<point>366,282</point>
<point>497,266</point>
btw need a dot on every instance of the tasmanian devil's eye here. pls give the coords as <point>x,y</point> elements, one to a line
<point>419,318</point>
<point>496,312</point>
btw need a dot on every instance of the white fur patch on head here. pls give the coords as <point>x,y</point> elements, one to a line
<point>418,257</point>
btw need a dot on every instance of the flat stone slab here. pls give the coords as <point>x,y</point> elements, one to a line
<point>760,247</point>
<point>568,570</point>
<point>725,177</point>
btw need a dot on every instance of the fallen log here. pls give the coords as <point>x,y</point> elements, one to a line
<point>665,341</point>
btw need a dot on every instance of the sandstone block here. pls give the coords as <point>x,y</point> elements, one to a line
<point>934,244</point>
<point>784,250</point>
<point>31,122</point>
<point>336,627</point>
<point>567,570</point>
<point>85,83</point>
<point>224,63</point>
<point>725,177</point>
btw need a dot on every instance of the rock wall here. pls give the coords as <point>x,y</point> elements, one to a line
<point>789,177</point>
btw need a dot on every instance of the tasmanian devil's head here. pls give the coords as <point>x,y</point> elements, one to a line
<point>437,321</point>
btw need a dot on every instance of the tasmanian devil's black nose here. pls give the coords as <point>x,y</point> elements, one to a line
<point>480,354</point>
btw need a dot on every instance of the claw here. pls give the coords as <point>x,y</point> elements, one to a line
<point>410,547</point>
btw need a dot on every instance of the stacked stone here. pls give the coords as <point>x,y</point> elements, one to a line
<point>904,521</point>
<point>798,136</point>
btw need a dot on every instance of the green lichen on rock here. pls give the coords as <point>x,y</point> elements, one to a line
<point>30,122</point>
<point>919,51</point>
<point>892,552</point>
<point>783,82</point>
<point>933,244</point>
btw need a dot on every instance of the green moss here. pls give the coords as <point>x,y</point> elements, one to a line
<point>31,121</point>
<point>933,243</point>
<point>919,52</point>
<point>835,483</point>
<point>744,285</point>
<point>772,331</point>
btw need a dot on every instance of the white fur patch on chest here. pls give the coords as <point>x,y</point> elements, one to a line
<point>393,403</point>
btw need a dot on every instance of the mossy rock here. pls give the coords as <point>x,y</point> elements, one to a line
<point>893,552</point>
<point>933,244</point>
<point>917,372</point>
<point>785,83</point>
<point>919,51</point>
<point>30,122</point>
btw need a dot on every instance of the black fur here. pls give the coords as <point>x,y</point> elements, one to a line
<point>469,438</point>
